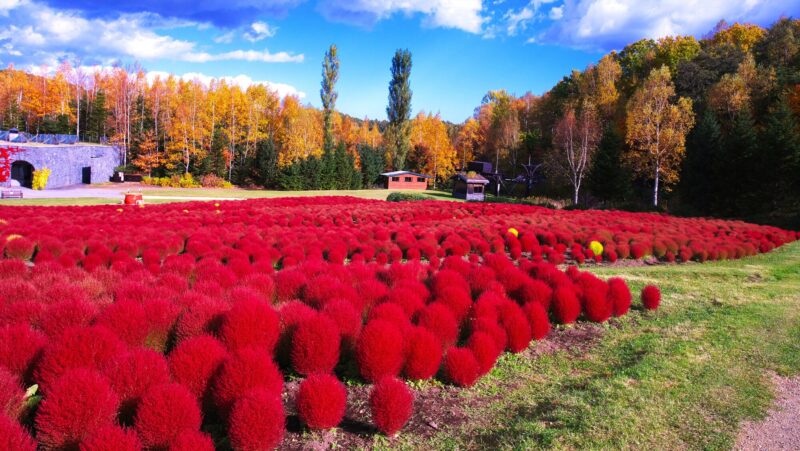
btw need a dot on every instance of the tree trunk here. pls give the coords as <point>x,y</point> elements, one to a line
<point>655,187</point>
<point>575,195</point>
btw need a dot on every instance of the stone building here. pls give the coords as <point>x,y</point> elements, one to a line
<point>69,164</point>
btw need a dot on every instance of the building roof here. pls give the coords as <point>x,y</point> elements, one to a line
<point>473,178</point>
<point>397,173</point>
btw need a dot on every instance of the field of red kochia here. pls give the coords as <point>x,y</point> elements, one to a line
<point>175,326</point>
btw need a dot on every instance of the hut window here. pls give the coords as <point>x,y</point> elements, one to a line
<point>395,179</point>
<point>477,189</point>
<point>420,179</point>
<point>407,179</point>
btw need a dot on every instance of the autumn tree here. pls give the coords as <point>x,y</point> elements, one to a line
<point>575,139</point>
<point>469,141</point>
<point>504,125</point>
<point>330,74</point>
<point>432,151</point>
<point>657,125</point>
<point>148,157</point>
<point>399,109</point>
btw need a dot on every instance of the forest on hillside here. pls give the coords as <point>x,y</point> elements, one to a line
<point>706,126</point>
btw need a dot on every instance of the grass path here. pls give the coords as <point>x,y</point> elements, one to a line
<point>683,377</point>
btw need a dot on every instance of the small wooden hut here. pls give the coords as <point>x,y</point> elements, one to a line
<point>470,186</point>
<point>406,180</point>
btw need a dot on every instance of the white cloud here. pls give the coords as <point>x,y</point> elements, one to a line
<point>244,55</point>
<point>41,33</point>
<point>259,31</point>
<point>225,38</point>
<point>610,24</point>
<point>241,80</point>
<point>556,13</point>
<point>518,21</point>
<point>466,15</point>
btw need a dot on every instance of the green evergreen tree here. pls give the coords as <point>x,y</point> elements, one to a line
<point>97,119</point>
<point>608,178</point>
<point>328,94</point>
<point>373,162</point>
<point>779,165</point>
<point>265,167</point>
<point>214,162</point>
<point>343,168</point>
<point>291,177</point>
<point>399,110</point>
<point>698,179</point>
<point>735,168</point>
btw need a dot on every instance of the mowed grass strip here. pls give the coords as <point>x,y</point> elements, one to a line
<point>683,377</point>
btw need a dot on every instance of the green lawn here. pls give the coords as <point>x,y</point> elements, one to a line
<point>683,377</point>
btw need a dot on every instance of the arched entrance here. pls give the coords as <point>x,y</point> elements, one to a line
<point>22,171</point>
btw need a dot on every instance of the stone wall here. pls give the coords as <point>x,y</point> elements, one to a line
<point>66,163</point>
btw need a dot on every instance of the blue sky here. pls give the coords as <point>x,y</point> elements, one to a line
<point>461,48</point>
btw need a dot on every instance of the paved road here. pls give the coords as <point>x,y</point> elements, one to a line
<point>106,192</point>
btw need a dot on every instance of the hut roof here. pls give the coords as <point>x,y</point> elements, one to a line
<point>398,173</point>
<point>472,178</point>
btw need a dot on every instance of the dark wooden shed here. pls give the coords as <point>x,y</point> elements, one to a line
<point>469,186</point>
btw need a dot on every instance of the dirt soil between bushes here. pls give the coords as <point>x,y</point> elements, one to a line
<point>780,430</point>
<point>436,408</point>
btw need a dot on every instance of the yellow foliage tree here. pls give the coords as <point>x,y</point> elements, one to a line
<point>431,147</point>
<point>656,130</point>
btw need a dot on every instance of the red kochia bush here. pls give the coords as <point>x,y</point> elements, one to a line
<point>202,317</point>
<point>82,347</point>
<point>321,401</point>
<point>620,296</point>
<point>439,319</point>
<point>164,412</point>
<point>461,367</point>
<point>127,319</point>
<point>132,374</point>
<point>379,351</point>
<point>19,347</point>
<point>517,327</point>
<point>423,354</point>
<point>246,370</point>
<point>13,437</point>
<point>315,345</point>
<point>194,361</point>
<point>566,306</point>
<point>391,403</point>
<point>111,438</point>
<point>19,247</point>
<point>77,404</point>
<point>537,317</point>
<point>651,297</point>
<point>65,314</point>
<point>11,394</point>
<point>190,440</point>
<point>596,303</point>
<point>257,421</point>
<point>250,323</point>
<point>485,349</point>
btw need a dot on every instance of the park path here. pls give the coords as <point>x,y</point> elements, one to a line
<point>780,430</point>
<point>106,192</point>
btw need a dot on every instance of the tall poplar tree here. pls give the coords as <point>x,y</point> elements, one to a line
<point>328,94</point>
<point>399,110</point>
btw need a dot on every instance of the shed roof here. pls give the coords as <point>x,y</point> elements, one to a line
<point>476,179</point>
<point>396,173</point>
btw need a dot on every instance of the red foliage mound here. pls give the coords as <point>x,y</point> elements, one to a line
<point>461,367</point>
<point>13,437</point>
<point>485,350</point>
<point>111,438</point>
<point>537,317</point>
<point>423,354</point>
<point>321,401</point>
<point>250,323</point>
<point>596,304</point>
<point>379,351</point>
<point>11,394</point>
<point>651,297</point>
<point>189,440</point>
<point>77,404</point>
<point>19,347</point>
<point>391,403</point>
<point>194,361</point>
<point>82,347</point>
<point>439,319</point>
<point>165,411</point>
<point>619,295</point>
<point>257,421</point>
<point>132,374</point>
<point>246,370</point>
<point>566,306</point>
<point>315,345</point>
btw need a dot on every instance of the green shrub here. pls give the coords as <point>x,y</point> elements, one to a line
<point>215,181</point>
<point>401,197</point>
